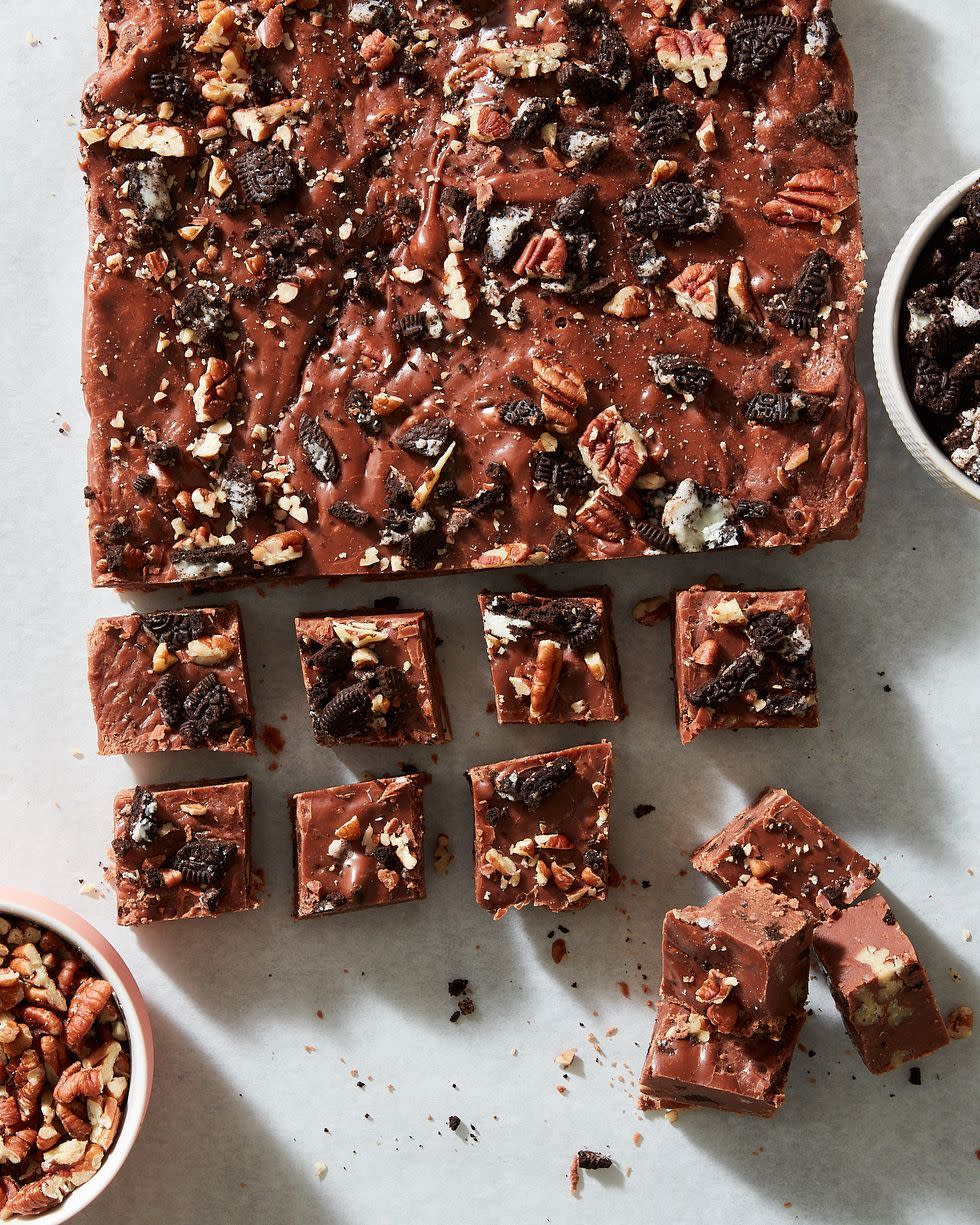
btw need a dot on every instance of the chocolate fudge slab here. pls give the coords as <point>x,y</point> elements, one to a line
<point>358,845</point>
<point>182,852</point>
<point>552,657</point>
<point>743,659</point>
<point>778,841</point>
<point>373,678</point>
<point>689,1064</point>
<point>166,681</point>
<point>743,960</point>
<point>881,990</point>
<point>541,829</point>
<point>601,304</point>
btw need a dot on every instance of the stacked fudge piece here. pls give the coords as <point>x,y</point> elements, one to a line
<point>777,850</point>
<point>733,991</point>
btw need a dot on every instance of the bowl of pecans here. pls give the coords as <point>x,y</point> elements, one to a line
<point>76,1060</point>
<point>927,338</point>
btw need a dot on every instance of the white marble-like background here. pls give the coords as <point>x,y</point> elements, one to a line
<point>242,1110</point>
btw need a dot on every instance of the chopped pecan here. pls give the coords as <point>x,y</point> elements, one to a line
<point>543,257</point>
<point>630,302</point>
<point>378,50</point>
<point>489,123</point>
<point>279,548</point>
<point>457,286</point>
<point>696,290</point>
<point>216,389</point>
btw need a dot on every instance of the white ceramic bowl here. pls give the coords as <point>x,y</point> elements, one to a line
<point>75,931</point>
<point>887,325</point>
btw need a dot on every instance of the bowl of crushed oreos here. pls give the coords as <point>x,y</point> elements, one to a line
<point>76,1060</point>
<point>927,338</point>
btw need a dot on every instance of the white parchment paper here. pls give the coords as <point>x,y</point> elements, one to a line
<point>254,1087</point>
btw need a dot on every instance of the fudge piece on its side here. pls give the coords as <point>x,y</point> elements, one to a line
<point>358,845</point>
<point>171,680</point>
<point>742,659</point>
<point>372,678</point>
<point>778,841</point>
<point>541,829</point>
<point>552,657</point>
<point>743,960</point>
<point>881,990</point>
<point>182,852</point>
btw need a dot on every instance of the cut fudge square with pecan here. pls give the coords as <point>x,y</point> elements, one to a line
<point>182,851</point>
<point>358,845</point>
<point>778,841</point>
<point>171,680</point>
<point>879,985</point>
<point>552,657</point>
<point>372,678</point>
<point>743,659</point>
<point>542,829</point>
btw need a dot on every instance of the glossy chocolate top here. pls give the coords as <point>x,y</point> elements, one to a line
<point>371,290</point>
<point>552,657</point>
<point>358,845</point>
<point>778,841</point>
<point>542,829</point>
<point>171,680</point>
<point>182,852</point>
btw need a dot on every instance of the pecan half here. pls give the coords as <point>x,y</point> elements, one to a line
<point>606,516</point>
<point>562,392</point>
<point>813,197</point>
<point>698,55</point>
<point>544,681</point>
<point>613,451</point>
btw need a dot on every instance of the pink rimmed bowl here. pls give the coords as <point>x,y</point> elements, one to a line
<point>43,912</point>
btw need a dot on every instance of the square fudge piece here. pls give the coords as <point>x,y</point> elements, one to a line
<point>182,852</point>
<point>881,990</point>
<point>743,960</point>
<point>171,680</point>
<point>358,845</point>
<point>372,678</point>
<point>552,657</point>
<point>541,829</point>
<point>743,659</point>
<point>688,1064</point>
<point>778,841</point>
